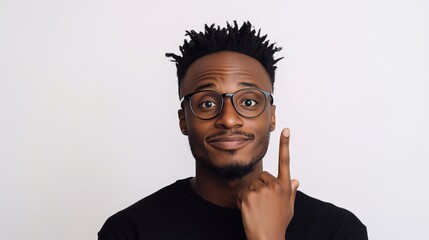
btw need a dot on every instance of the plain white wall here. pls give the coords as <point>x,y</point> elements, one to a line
<point>88,107</point>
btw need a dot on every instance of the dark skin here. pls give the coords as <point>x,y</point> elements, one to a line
<point>266,202</point>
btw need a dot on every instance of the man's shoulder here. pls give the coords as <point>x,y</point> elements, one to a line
<point>160,199</point>
<point>308,205</point>
<point>325,218</point>
<point>146,211</point>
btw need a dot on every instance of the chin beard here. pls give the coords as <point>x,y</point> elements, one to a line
<point>232,171</point>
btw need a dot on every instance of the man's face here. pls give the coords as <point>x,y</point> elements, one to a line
<point>229,145</point>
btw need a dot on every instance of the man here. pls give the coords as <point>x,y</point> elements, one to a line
<point>226,78</point>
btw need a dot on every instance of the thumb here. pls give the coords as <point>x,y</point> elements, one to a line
<point>294,186</point>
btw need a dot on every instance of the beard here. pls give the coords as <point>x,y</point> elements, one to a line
<point>235,170</point>
<point>231,171</point>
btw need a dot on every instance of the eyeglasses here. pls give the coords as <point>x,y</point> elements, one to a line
<point>248,102</point>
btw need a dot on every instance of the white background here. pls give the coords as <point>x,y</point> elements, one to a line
<point>88,107</point>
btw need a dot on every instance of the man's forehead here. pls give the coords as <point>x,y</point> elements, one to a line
<point>221,66</point>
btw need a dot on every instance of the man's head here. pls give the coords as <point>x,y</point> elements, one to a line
<point>225,82</point>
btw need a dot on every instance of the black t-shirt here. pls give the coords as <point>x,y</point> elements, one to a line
<point>177,212</point>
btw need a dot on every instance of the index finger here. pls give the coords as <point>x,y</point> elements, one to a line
<point>284,160</point>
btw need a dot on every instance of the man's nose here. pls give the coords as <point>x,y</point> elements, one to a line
<point>229,118</point>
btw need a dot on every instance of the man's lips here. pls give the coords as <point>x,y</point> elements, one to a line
<point>229,142</point>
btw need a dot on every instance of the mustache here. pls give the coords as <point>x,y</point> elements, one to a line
<point>230,133</point>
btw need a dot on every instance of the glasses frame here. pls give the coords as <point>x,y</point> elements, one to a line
<point>231,95</point>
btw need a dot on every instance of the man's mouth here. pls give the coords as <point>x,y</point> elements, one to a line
<point>229,141</point>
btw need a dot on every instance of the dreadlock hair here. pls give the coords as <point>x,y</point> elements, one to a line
<point>244,40</point>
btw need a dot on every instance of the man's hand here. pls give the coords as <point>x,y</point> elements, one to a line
<point>267,205</point>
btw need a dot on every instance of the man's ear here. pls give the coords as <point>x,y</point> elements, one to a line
<point>182,121</point>
<point>273,118</point>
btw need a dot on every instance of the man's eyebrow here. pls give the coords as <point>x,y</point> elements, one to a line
<point>211,85</point>
<point>202,87</point>
<point>247,84</point>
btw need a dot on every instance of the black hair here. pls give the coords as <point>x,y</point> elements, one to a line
<point>244,40</point>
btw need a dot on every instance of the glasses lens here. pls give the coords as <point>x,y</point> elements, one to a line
<point>249,102</point>
<point>206,104</point>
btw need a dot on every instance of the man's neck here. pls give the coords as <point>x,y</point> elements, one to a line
<point>220,191</point>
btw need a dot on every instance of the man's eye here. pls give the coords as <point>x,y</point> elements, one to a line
<point>208,104</point>
<point>249,103</point>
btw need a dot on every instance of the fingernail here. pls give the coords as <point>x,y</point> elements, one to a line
<point>286,132</point>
